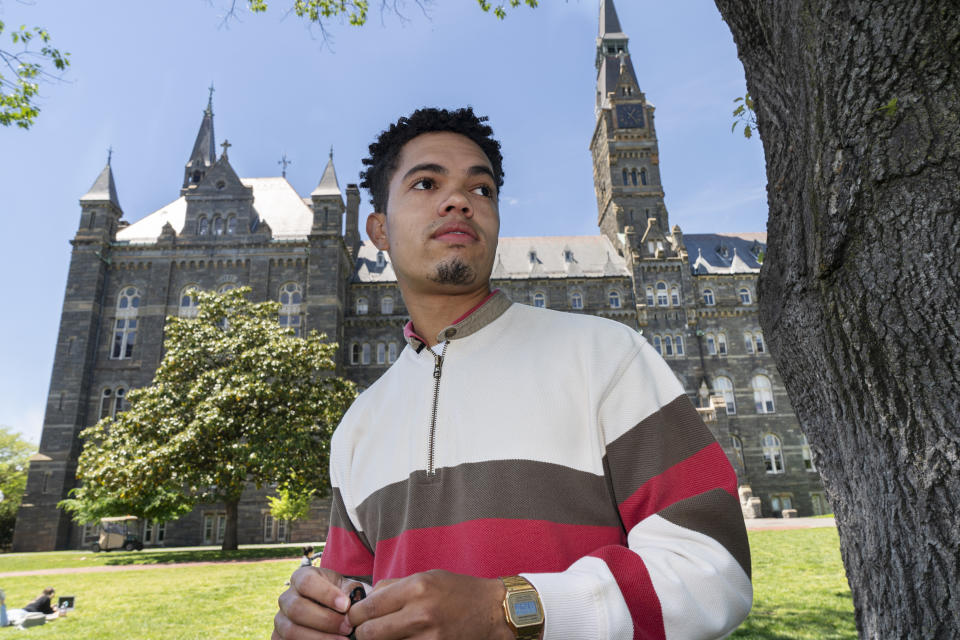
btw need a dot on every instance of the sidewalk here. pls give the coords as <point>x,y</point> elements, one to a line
<point>779,524</point>
<point>135,567</point>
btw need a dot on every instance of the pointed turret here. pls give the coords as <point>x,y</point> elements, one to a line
<point>328,185</point>
<point>613,56</point>
<point>100,210</point>
<point>104,189</point>
<point>609,22</point>
<point>327,202</point>
<point>204,153</point>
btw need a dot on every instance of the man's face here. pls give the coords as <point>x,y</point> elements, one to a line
<point>442,217</point>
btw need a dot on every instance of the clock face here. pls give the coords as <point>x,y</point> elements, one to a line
<point>630,116</point>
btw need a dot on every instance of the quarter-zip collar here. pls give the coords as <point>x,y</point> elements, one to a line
<point>491,308</point>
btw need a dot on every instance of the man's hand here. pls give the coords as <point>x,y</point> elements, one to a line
<point>437,604</point>
<point>315,602</point>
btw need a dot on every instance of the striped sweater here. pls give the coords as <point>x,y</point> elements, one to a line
<point>556,446</point>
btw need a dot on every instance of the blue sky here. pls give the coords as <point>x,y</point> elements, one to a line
<point>138,82</point>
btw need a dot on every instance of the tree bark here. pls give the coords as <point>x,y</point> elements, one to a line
<point>858,107</point>
<point>230,528</point>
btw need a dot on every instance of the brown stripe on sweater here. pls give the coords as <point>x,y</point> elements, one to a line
<point>340,518</point>
<point>716,514</point>
<point>670,435</point>
<point>510,489</point>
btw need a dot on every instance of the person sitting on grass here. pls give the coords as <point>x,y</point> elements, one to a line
<point>42,603</point>
<point>308,556</point>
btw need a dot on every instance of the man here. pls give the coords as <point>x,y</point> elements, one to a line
<point>518,472</point>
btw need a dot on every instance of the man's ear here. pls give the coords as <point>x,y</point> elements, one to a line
<point>377,230</point>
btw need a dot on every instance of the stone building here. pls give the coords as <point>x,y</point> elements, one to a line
<point>693,297</point>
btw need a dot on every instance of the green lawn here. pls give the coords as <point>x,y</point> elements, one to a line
<point>800,592</point>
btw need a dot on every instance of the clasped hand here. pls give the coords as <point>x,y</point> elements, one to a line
<point>435,605</point>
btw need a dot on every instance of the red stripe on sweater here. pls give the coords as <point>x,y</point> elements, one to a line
<point>705,470</point>
<point>633,579</point>
<point>491,547</point>
<point>346,554</point>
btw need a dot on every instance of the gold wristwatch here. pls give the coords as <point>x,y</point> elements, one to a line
<point>522,608</point>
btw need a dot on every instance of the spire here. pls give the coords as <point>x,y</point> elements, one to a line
<point>613,55</point>
<point>609,22</point>
<point>328,183</point>
<point>104,189</point>
<point>204,149</point>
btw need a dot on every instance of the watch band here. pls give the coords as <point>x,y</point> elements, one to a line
<point>519,588</point>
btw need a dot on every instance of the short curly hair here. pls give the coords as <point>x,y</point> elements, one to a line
<point>385,151</point>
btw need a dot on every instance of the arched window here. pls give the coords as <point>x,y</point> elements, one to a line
<point>386,305</point>
<point>231,225</point>
<point>125,326</point>
<point>678,343</point>
<point>744,294</point>
<point>758,341</point>
<point>762,394</point>
<point>539,300</point>
<point>643,176</point>
<point>392,352</point>
<point>381,353</point>
<point>614,299</point>
<point>711,344</point>
<point>675,295</point>
<point>708,297</point>
<point>362,306</point>
<point>291,300</point>
<point>738,452</point>
<point>772,454</point>
<point>203,226</point>
<point>722,344</point>
<point>576,301</point>
<point>218,226</point>
<point>189,305</point>
<point>808,463</point>
<point>106,403</point>
<point>656,345</point>
<point>118,400</point>
<point>227,286</point>
<point>724,385</point>
<point>355,353</point>
<point>633,176</point>
<point>649,296</point>
<point>668,345</point>
<point>365,353</point>
<point>748,341</point>
<point>662,300</point>
<point>626,177</point>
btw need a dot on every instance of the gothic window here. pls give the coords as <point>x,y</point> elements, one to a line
<point>218,226</point>
<point>203,226</point>
<point>708,298</point>
<point>626,177</point>
<point>106,403</point>
<point>633,176</point>
<point>291,299</point>
<point>231,225</point>
<point>649,296</point>
<point>675,295</point>
<point>643,176</point>
<point>614,299</point>
<point>118,400</point>
<point>365,353</point>
<point>758,341</point>
<point>744,294</point>
<point>381,353</point>
<point>678,343</point>
<point>808,463</point>
<point>386,305</point>
<point>539,300</point>
<point>392,352</point>
<point>738,452</point>
<point>125,326</point>
<point>656,345</point>
<point>226,287</point>
<point>668,345</point>
<point>362,306</point>
<point>189,305</point>
<point>772,454</point>
<point>711,344</point>
<point>722,344</point>
<point>662,300</point>
<point>355,354</point>
<point>576,301</point>
<point>762,394</point>
<point>748,341</point>
<point>724,385</point>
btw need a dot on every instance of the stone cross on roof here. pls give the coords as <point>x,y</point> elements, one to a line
<point>226,145</point>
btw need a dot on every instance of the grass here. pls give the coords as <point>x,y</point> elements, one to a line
<point>800,592</point>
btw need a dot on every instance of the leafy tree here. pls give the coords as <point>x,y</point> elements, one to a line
<point>14,453</point>
<point>25,67</point>
<point>236,400</point>
<point>857,105</point>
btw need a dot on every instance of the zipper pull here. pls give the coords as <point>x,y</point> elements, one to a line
<point>437,366</point>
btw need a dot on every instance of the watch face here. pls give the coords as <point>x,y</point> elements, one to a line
<point>524,608</point>
<point>630,115</point>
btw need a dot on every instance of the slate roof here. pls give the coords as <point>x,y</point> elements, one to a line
<point>274,201</point>
<point>590,257</point>
<point>725,253</point>
<point>328,185</point>
<point>104,188</point>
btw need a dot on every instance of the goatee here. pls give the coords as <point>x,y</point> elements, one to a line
<point>454,272</point>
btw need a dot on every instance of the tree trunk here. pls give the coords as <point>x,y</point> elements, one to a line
<point>858,107</point>
<point>230,529</point>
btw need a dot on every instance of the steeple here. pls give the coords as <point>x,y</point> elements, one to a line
<point>204,150</point>
<point>327,202</point>
<point>328,185</point>
<point>609,22</point>
<point>100,210</point>
<point>613,55</point>
<point>104,189</point>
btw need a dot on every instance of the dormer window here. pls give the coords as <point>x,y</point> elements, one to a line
<point>567,255</point>
<point>381,260</point>
<point>533,256</point>
<point>196,177</point>
<point>723,251</point>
